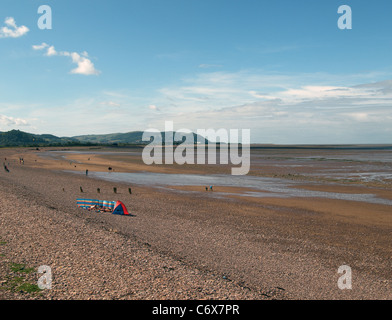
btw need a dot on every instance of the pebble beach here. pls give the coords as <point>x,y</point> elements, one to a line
<point>184,246</point>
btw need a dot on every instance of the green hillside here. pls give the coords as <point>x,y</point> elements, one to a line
<point>119,138</point>
<point>16,138</point>
<point>135,137</point>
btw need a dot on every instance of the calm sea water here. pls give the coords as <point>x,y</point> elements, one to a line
<point>264,187</point>
<point>363,165</point>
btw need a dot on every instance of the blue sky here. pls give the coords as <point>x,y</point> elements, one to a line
<point>280,68</point>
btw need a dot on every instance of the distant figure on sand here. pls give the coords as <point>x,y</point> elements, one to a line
<point>206,188</point>
<point>211,188</point>
<point>86,172</point>
<point>5,167</point>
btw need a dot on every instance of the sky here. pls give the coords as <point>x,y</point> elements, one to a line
<point>282,68</point>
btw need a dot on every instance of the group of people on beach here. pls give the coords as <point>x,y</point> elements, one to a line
<point>21,161</point>
<point>210,188</point>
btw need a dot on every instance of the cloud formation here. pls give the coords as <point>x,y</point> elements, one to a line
<point>285,108</point>
<point>153,107</point>
<point>10,121</point>
<point>11,30</point>
<point>282,108</point>
<point>110,104</point>
<point>84,64</point>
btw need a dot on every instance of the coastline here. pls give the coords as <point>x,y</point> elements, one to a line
<point>189,246</point>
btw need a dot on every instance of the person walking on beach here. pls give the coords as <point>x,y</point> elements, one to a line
<point>86,172</point>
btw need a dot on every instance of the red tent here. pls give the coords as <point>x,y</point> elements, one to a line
<point>120,209</point>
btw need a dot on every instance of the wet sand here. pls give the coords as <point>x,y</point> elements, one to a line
<point>224,247</point>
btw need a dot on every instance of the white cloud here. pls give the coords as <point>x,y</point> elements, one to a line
<point>51,51</point>
<point>153,107</point>
<point>40,46</point>
<point>84,65</point>
<point>115,94</point>
<point>110,104</point>
<point>10,121</point>
<point>358,116</point>
<point>282,108</point>
<point>90,115</point>
<point>278,108</point>
<point>11,30</point>
<point>217,90</point>
<point>316,93</point>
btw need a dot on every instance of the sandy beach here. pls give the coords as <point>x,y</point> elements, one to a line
<point>182,242</point>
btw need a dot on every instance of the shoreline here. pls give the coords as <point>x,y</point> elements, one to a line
<point>188,246</point>
<point>90,257</point>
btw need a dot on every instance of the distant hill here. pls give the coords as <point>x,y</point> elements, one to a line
<point>16,138</point>
<point>119,138</point>
<point>135,137</point>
